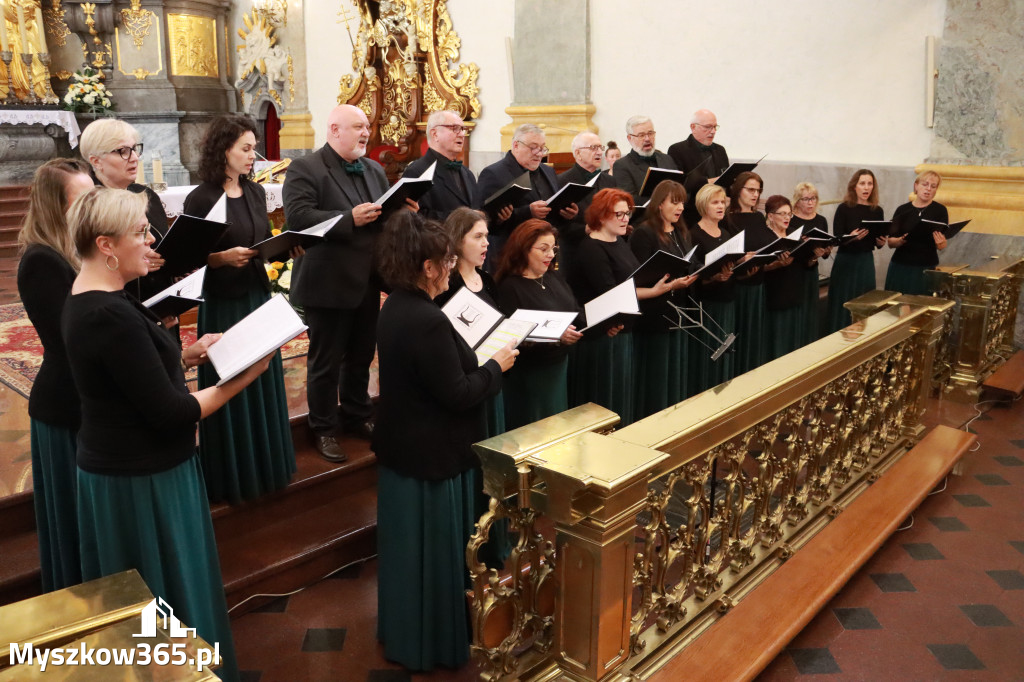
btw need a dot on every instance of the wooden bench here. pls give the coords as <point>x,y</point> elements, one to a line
<point>1008,379</point>
<point>744,641</point>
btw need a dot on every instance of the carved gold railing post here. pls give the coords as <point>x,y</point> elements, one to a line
<point>595,487</point>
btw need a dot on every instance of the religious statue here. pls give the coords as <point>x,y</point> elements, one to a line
<point>22,33</point>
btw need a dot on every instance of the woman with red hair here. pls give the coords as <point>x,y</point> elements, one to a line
<point>537,386</point>
<point>603,366</point>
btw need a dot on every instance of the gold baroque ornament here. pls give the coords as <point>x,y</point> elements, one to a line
<point>63,74</point>
<point>55,24</point>
<point>193,45</point>
<point>137,22</point>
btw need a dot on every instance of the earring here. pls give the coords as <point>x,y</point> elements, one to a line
<point>117,263</point>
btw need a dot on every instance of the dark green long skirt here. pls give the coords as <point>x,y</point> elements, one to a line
<point>709,373</point>
<point>246,446</point>
<point>810,330</point>
<point>422,531</point>
<point>751,350</point>
<point>55,495</point>
<point>785,328</point>
<point>906,279</point>
<point>853,274</point>
<point>159,524</point>
<point>602,373</point>
<point>494,411</point>
<point>660,370</point>
<point>534,392</point>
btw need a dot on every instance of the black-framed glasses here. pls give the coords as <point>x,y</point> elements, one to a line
<point>622,214</point>
<point>455,128</point>
<point>126,152</point>
<point>535,149</point>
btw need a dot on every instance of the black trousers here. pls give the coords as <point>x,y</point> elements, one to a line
<point>341,346</point>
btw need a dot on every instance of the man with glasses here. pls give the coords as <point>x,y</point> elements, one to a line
<point>527,153</point>
<point>588,152</point>
<point>631,169</point>
<point>699,154</point>
<point>454,184</point>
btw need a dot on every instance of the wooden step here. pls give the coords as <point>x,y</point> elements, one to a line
<point>745,640</point>
<point>1008,380</point>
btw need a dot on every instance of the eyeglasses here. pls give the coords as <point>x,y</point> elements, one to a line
<point>649,135</point>
<point>145,231</point>
<point>753,189</point>
<point>126,152</point>
<point>455,128</point>
<point>927,185</point>
<point>782,215</point>
<point>593,148</point>
<point>545,249</point>
<point>809,200</point>
<point>619,215</point>
<point>705,126</point>
<point>535,149</point>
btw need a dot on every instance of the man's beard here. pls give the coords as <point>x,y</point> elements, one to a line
<point>644,154</point>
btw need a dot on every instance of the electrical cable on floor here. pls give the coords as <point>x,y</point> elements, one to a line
<point>907,527</point>
<point>288,594</point>
<point>945,482</point>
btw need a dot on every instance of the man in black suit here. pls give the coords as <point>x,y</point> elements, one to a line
<point>527,153</point>
<point>334,281</point>
<point>454,184</point>
<point>588,152</point>
<point>700,158</point>
<point>632,168</point>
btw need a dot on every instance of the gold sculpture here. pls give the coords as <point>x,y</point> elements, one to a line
<point>55,24</point>
<point>19,72</point>
<point>193,45</point>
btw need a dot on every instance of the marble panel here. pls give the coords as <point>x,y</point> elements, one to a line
<point>160,134</point>
<point>22,149</point>
<point>552,66</point>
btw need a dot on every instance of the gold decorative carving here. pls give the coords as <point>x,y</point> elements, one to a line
<point>227,51</point>
<point>139,72</point>
<point>193,45</point>
<point>63,74</point>
<point>55,24</point>
<point>291,80</point>
<point>137,22</point>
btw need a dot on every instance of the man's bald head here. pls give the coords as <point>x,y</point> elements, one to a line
<point>348,131</point>
<point>587,149</point>
<point>704,125</point>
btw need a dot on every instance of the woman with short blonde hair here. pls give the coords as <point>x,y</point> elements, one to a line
<point>805,215</point>
<point>917,243</point>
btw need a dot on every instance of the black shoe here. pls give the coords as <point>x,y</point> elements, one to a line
<point>361,429</point>
<point>329,448</point>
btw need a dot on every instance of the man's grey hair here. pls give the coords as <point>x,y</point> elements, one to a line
<point>526,129</point>
<point>437,118</point>
<point>635,121</point>
<point>577,141</point>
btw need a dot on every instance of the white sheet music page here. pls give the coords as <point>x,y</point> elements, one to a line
<point>320,229</point>
<point>551,324</point>
<point>219,212</point>
<point>618,299</point>
<point>190,287</point>
<point>257,334</point>
<point>471,316</point>
<point>509,330</point>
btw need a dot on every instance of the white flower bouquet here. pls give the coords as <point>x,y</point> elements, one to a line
<point>87,94</point>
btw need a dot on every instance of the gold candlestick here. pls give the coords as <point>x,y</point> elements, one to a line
<point>6,56</point>
<point>26,58</point>
<point>50,97</point>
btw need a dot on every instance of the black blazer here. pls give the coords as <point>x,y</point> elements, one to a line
<point>228,281</point>
<point>571,232</point>
<point>445,196</point>
<point>688,154</point>
<point>499,174</point>
<point>632,168</point>
<point>431,391</point>
<point>337,272</point>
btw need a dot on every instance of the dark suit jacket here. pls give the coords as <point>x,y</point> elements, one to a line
<point>431,391</point>
<point>229,281</point>
<point>689,154</point>
<point>499,174</point>
<point>445,196</point>
<point>571,233</point>
<point>631,170</point>
<point>337,272</point>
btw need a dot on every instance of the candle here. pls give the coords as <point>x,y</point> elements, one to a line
<point>158,169</point>
<point>40,27</point>
<point>140,173</point>
<point>21,30</point>
<point>4,45</point>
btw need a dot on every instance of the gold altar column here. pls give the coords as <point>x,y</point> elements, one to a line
<point>595,487</point>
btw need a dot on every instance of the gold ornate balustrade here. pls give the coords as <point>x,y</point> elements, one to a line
<point>632,542</point>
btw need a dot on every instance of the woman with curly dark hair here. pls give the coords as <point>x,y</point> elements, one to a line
<point>432,394</point>
<point>245,449</point>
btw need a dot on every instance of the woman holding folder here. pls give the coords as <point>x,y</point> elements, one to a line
<point>246,449</point>
<point>432,393</point>
<point>853,272</point>
<point>806,216</point>
<point>784,292</point>
<point>717,293</point>
<point>917,242</point>
<point>751,351</point>
<point>141,502</point>
<point>537,387</point>
<point>603,365</point>
<point>659,343</point>
<point>46,271</point>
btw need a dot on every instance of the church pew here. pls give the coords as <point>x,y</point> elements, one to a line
<point>1008,379</point>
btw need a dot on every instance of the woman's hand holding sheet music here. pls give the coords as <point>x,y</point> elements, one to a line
<point>506,356</point>
<point>195,354</point>
<point>940,240</point>
<point>860,234</point>
<point>570,336</point>
<point>682,282</point>
<point>237,257</point>
<point>612,331</point>
<point>662,286</point>
<point>155,260</point>
<point>723,275</point>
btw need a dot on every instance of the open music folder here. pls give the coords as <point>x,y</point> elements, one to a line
<point>179,297</point>
<point>187,244</point>
<point>570,193</point>
<point>406,188</point>
<point>662,263</point>
<point>618,301</point>
<point>256,335</point>
<point>656,175</point>
<point>948,230</point>
<point>482,326</point>
<point>509,194</point>
<point>278,246</point>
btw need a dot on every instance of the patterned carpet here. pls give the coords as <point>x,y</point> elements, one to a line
<point>21,353</point>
